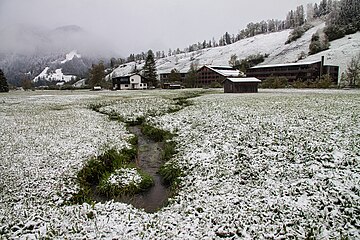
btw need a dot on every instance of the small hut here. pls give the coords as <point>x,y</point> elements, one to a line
<point>241,85</point>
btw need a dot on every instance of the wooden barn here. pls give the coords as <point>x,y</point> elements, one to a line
<point>241,85</point>
<point>208,76</point>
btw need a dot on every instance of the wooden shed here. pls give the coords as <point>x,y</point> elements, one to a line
<point>241,85</point>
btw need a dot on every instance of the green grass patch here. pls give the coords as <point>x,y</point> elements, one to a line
<point>98,167</point>
<point>155,134</point>
<point>119,183</point>
<point>169,150</point>
<point>171,174</point>
<point>136,122</point>
<point>95,106</point>
<point>169,171</point>
<point>114,116</point>
<point>184,101</point>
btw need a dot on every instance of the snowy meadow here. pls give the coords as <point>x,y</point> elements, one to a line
<point>280,164</point>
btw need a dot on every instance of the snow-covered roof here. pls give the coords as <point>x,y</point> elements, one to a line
<point>222,67</point>
<point>228,72</point>
<point>128,75</point>
<point>80,83</point>
<point>243,80</point>
<point>286,64</point>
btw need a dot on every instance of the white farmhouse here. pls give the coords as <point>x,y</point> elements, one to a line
<point>129,82</point>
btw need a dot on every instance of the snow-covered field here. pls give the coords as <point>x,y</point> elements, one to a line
<point>277,164</point>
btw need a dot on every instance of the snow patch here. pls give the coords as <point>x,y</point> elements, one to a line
<point>57,75</point>
<point>70,56</point>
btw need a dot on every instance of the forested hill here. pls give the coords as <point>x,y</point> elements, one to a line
<point>330,29</point>
<point>272,46</point>
<point>341,16</point>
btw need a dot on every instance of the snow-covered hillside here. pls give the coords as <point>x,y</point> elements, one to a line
<point>70,56</point>
<point>28,50</point>
<point>57,75</point>
<point>273,44</point>
<point>55,72</point>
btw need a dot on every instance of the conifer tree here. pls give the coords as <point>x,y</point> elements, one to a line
<point>150,69</point>
<point>191,77</point>
<point>174,76</point>
<point>353,71</point>
<point>97,75</point>
<point>4,87</point>
<point>234,62</point>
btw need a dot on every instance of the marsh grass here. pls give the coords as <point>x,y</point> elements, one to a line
<point>57,107</point>
<point>171,174</point>
<point>169,150</point>
<point>94,177</point>
<point>155,134</point>
<point>108,189</point>
<point>98,167</point>
<point>169,171</point>
<point>138,121</point>
<point>95,106</point>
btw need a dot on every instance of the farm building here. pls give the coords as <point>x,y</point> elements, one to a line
<point>134,81</point>
<point>166,77</point>
<point>241,85</point>
<point>215,75</point>
<point>306,71</point>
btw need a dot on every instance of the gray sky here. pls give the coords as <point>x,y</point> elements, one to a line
<point>133,26</point>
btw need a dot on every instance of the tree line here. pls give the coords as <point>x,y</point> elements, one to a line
<point>4,87</point>
<point>293,19</point>
<point>336,12</point>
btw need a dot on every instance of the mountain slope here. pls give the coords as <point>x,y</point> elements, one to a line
<point>64,69</point>
<point>25,51</point>
<point>272,44</point>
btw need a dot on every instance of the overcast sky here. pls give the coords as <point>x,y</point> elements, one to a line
<point>138,25</point>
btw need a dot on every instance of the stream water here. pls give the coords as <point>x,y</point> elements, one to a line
<point>149,159</point>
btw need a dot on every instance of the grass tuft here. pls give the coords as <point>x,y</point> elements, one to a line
<point>95,106</point>
<point>171,174</point>
<point>109,189</point>
<point>136,122</point>
<point>155,134</point>
<point>98,167</point>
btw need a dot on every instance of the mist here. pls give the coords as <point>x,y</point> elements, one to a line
<point>129,26</point>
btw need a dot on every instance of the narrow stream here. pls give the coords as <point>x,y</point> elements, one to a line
<point>149,159</point>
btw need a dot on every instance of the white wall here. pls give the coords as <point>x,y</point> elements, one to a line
<point>136,79</point>
<point>135,83</point>
<point>124,86</point>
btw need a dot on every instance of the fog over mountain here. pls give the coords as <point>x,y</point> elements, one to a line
<point>25,50</point>
<point>30,39</point>
<point>133,26</point>
<point>35,33</point>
